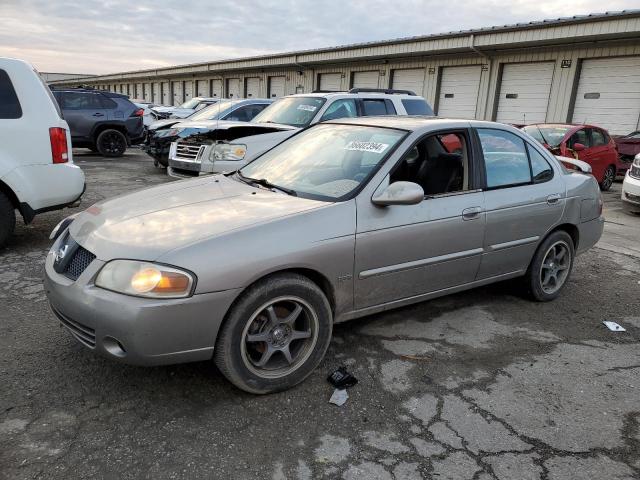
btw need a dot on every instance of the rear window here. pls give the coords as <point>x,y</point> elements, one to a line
<point>416,106</point>
<point>9,104</point>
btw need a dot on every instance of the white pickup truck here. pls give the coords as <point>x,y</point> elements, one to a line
<point>37,173</point>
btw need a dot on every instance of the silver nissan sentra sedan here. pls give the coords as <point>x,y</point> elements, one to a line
<point>342,220</point>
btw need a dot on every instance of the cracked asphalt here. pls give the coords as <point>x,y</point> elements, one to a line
<point>479,385</point>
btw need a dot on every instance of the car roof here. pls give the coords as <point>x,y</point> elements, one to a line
<point>357,95</point>
<point>564,125</point>
<point>404,122</point>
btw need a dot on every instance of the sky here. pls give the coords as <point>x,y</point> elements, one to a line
<point>108,36</point>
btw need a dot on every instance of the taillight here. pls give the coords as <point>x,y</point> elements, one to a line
<point>59,148</point>
<point>138,113</point>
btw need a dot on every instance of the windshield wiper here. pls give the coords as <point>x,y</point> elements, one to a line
<point>267,184</point>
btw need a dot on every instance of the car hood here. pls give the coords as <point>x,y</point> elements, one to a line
<point>163,109</point>
<point>149,223</point>
<point>166,123</point>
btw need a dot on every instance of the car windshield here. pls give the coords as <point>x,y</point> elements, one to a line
<point>193,103</point>
<point>549,135</point>
<point>294,111</point>
<point>326,162</point>
<point>213,111</point>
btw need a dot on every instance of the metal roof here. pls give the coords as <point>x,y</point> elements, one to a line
<point>576,19</point>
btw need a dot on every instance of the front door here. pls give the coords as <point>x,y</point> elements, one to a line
<point>405,251</point>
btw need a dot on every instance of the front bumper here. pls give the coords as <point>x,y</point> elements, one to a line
<point>630,195</point>
<point>134,330</point>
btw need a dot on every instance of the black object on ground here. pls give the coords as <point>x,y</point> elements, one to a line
<point>342,379</point>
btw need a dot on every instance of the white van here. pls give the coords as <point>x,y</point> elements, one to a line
<point>37,173</point>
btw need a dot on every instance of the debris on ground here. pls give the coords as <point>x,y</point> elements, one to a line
<point>339,397</point>
<point>614,327</point>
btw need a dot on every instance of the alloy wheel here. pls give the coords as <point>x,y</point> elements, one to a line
<point>609,177</point>
<point>555,267</point>
<point>279,337</point>
<point>113,143</point>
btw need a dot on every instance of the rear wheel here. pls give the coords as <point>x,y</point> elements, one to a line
<point>551,266</point>
<point>275,335</point>
<point>111,143</point>
<point>608,178</point>
<point>7,219</point>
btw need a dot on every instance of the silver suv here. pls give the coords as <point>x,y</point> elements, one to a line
<point>230,145</point>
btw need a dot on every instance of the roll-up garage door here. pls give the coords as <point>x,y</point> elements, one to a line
<point>201,88</point>
<point>156,98</point>
<point>215,87</point>
<point>524,92</point>
<point>276,87</point>
<point>608,94</point>
<point>253,87</point>
<point>178,94</point>
<point>233,88</point>
<point>459,92</point>
<point>146,92</point>
<point>166,94</point>
<point>409,79</point>
<point>188,90</point>
<point>366,79</point>
<point>330,82</point>
<point>139,91</point>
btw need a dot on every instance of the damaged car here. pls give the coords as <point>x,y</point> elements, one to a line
<point>252,269</point>
<point>229,146</point>
<point>183,110</point>
<point>161,133</point>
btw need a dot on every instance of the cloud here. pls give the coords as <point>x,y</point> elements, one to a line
<point>104,36</point>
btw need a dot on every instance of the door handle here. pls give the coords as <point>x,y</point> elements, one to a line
<point>471,213</point>
<point>98,114</point>
<point>553,198</point>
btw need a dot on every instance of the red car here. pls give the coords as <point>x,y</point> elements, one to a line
<point>628,146</point>
<point>588,143</point>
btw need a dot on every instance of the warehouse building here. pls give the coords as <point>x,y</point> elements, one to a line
<point>578,69</point>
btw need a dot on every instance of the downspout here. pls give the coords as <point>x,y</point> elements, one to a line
<point>489,64</point>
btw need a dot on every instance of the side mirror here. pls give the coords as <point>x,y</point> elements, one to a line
<point>578,147</point>
<point>400,193</point>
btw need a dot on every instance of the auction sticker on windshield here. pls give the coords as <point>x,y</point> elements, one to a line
<point>308,108</point>
<point>373,147</point>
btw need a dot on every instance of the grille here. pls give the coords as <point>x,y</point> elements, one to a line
<point>633,198</point>
<point>79,263</point>
<point>635,172</point>
<point>83,334</point>
<point>188,152</point>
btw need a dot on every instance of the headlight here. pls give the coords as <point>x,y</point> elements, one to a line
<point>143,279</point>
<point>228,151</point>
<point>636,161</point>
<point>62,226</point>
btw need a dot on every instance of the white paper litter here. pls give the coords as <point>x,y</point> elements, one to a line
<point>339,397</point>
<point>614,327</point>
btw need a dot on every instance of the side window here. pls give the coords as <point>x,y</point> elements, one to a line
<point>344,108</point>
<point>540,168</point>
<point>391,110</point>
<point>598,137</point>
<point>9,104</point>
<point>439,164</point>
<point>244,114</point>
<point>80,101</point>
<point>373,107</point>
<point>106,102</point>
<point>416,106</point>
<point>505,158</point>
<point>579,137</point>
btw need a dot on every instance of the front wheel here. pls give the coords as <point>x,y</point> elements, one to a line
<point>111,143</point>
<point>608,178</point>
<point>550,267</point>
<point>275,335</point>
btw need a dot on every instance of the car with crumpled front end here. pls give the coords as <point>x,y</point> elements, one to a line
<point>630,195</point>
<point>161,133</point>
<point>253,268</point>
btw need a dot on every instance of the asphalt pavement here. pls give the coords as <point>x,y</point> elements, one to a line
<point>479,385</point>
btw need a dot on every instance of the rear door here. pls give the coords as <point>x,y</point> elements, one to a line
<point>604,152</point>
<point>82,110</point>
<point>524,197</point>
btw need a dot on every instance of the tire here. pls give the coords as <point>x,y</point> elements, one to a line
<point>111,143</point>
<point>254,333</point>
<point>7,219</point>
<point>544,265</point>
<point>608,179</point>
